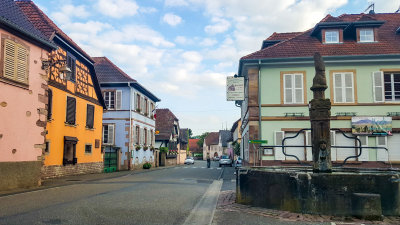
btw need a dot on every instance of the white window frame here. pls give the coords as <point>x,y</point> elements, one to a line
<point>330,34</point>
<point>108,134</point>
<point>343,87</point>
<point>392,86</point>
<point>365,38</point>
<point>293,88</point>
<point>381,154</point>
<point>365,153</point>
<point>278,150</point>
<point>107,99</point>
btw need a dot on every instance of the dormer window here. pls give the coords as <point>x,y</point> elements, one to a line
<point>331,36</point>
<point>367,35</point>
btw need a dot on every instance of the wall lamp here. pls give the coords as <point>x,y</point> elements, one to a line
<point>64,69</point>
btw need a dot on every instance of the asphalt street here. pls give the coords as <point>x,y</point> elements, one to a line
<point>179,195</point>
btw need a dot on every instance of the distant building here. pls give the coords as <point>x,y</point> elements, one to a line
<point>23,98</point>
<point>237,134</point>
<point>211,146</point>
<point>194,149</point>
<point>225,142</point>
<point>128,123</point>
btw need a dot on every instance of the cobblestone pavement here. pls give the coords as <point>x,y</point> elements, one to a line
<point>226,202</point>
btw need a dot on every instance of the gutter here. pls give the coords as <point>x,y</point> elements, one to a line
<point>130,126</point>
<point>259,104</point>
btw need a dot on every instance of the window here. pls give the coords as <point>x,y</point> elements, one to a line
<point>138,102</point>
<point>293,88</point>
<point>15,64</point>
<point>69,156</point>
<point>392,86</point>
<point>145,136</point>
<point>113,99</point>
<point>332,36</point>
<point>88,148</point>
<point>151,137</point>
<point>71,110</point>
<point>386,86</point>
<point>146,107</point>
<point>366,35</point>
<point>49,104</point>
<point>71,63</point>
<point>343,87</point>
<point>152,109</point>
<point>108,134</point>
<point>89,116</point>
<point>137,135</point>
<point>47,149</point>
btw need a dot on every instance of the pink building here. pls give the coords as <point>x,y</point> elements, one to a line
<point>23,98</point>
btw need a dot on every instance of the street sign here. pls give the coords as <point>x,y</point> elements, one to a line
<point>258,141</point>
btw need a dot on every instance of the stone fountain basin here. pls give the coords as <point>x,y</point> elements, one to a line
<point>344,192</point>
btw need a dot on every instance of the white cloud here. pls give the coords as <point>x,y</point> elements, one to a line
<point>176,3</point>
<point>183,40</point>
<point>172,19</point>
<point>147,10</point>
<point>385,6</point>
<point>69,11</point>
<point>219,26</point>
<point>117,8</point>
<point>207,42</point>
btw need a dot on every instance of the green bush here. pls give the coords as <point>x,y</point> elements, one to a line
<point>164,149</point>
<point>147,165</point>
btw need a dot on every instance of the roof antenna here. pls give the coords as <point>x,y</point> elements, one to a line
<point>371,8</point>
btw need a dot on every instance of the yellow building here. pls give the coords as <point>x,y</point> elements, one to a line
<point>75,104</point>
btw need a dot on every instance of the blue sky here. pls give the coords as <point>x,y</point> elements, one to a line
<point>182,50</point>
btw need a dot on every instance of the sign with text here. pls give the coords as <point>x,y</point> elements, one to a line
<point>258,141</point>
<point>235,88</point>
<point>371,125</point>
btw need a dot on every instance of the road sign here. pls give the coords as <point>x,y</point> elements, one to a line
<point>258,141</point>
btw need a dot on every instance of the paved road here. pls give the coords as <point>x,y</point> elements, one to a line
<point>158,197</point>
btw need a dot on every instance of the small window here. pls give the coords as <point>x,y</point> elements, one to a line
<point>392,86</point>
<point>366,35</point>
<point>15,61</point>
<point>47,149</point>
<point>293,89</point>
<point>332,36</point>
<point>137,135</point>
<point>71,63</point>
<point>109,98</point>
<point>88,148</point>
<point>49,104</point>
<point>343,87</point>
<point>71,110</point>
<point>138,103</point>
<point>145,136</point>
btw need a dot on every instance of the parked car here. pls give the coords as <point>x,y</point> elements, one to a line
<point>189,160</point>
<point>225,160</point>
<point>216,158</point>
<point>238,162</point>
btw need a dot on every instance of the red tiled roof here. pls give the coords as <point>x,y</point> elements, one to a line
<point>212,138</point>
<point>164,123</point>
<point>46,25</point>
<point>107,71</point>
<point>193,146</point>
<point>282,36</point>
<point>305,45</point>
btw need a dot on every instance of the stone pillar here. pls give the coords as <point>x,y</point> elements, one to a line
<point>320,115</point>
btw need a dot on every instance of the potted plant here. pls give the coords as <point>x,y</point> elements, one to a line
<point>146,114</point>
<point>145,148</point>
<point>147,165</point>
<point>138,110</point>
<point>164,149</point>
<point>151,116</point>
<point>137,147</point>
<point>152,148</point>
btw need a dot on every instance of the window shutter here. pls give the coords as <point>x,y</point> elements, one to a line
<point>89,116</point>
<point>348,84</point>
<point>338,95</point>
<point>377,89</point>
<point>142,104</point>
<point>288,94</point>
<point>50,103</point>
<point>364,143</point>
<point>382,154</point>
<point>71,110</point>
<point>308,142</point>
<point>333,143</point>
<point>111,134</point>
<point>118,99</point>
<point>278,137</point>
<point>105,134</point>
<point>298,84</point>
<point>22,64</point>
<point>9,59</point>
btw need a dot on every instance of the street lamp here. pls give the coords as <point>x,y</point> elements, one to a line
<point>64,69</point>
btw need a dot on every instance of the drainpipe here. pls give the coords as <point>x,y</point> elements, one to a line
<point>130,126</point>
<point>259,108</point>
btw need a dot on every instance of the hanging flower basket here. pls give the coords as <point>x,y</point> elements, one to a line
<point>152,148</point>
<point>145,148</point>
<point>137,147</point>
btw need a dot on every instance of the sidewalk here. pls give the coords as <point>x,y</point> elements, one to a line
<point>82,178</point>
<point>226,203</point>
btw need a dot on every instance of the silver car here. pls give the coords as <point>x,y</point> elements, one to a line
<point>225,160</point>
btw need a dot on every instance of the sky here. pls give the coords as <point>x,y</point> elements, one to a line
<point>183,50</point>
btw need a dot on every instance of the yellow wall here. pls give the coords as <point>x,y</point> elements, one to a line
<point>57,130</point>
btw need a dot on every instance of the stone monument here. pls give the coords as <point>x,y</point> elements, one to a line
<point>320,115</point>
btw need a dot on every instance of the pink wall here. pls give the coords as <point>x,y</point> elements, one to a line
<point>19,111</point>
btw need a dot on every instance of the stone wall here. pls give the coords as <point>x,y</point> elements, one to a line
<point>19,174</point>
<point>69,170</point>
<point>171,161</point>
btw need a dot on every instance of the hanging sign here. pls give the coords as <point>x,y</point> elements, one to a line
<point>235,88</point>
<point>371,125</point>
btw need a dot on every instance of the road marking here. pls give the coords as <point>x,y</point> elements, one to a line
<point>194,167</point>
<point>204,210</point>
<point>219,168</point>
<point>203,167</point>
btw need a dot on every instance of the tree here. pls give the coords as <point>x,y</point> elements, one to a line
<point>201,141</point>
<point>236,148</point>
<point>190,133</point>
